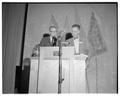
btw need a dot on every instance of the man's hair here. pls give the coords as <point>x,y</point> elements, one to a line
<point>52,27</point>
<point>76,25</point>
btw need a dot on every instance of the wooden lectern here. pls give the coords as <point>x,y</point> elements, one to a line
<point>44,71</point>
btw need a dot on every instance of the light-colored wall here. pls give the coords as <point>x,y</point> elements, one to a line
<point>39,16</point>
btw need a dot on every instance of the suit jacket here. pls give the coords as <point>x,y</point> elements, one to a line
<point>83,48</point>
<point>46,41</point>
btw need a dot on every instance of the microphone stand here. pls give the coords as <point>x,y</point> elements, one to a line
<point>60,79</point>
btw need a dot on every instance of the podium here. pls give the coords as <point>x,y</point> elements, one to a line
<point>44,71</point>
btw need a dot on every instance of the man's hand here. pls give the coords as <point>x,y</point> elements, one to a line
<point>35,51</point>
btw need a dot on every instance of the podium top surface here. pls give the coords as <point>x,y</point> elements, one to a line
<point>67,53</point>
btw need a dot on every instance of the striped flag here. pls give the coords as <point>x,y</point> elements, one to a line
<point>97,43</point>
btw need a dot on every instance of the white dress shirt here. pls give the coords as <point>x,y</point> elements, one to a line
<point>76,45</point>
<point>51,39</point>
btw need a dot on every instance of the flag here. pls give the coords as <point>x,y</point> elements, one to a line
<point>53,22</point>
<point>66,29</point>
<point>78,21</point>
<point>66,26</point>
<point>96,41</point>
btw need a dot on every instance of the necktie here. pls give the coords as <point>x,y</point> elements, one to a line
<point>53,41</point>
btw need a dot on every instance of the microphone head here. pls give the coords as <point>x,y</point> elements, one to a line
<point>59,35</point>
<point>59,38</point>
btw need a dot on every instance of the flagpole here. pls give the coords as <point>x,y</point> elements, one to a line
<point>96,74</point>
<point>87,83</point>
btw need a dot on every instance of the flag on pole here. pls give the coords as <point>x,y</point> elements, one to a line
<point>66,29</point>
<point>96,41</point>
<point>78,21</point>
<point>66,26</point>
<point>53,22</point>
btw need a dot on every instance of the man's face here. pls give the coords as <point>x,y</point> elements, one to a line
<point>53,32</point>
<point>75,31</point>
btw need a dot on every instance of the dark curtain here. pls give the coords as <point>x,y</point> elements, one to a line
<point>12,33</point>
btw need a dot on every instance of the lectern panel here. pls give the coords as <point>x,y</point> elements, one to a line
<point>73,71</point>
<point>48,76</point>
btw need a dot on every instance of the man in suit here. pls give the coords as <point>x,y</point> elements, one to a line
<point>47,40</point>
<point>51,39</point>
<point>74,40</point>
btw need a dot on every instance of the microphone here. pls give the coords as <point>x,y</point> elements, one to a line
<point>60,35</point>
<point>59,38</point>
